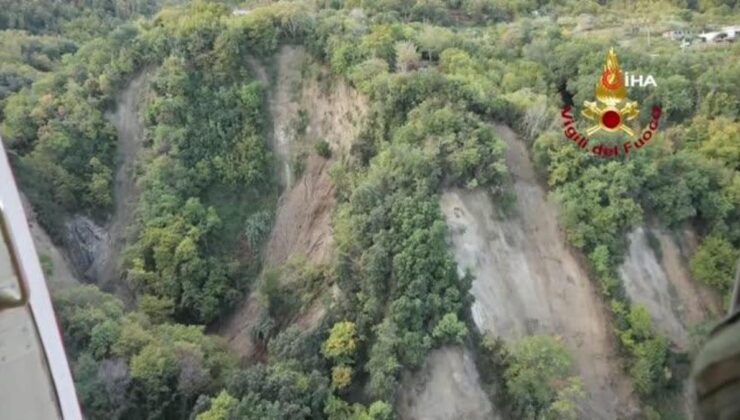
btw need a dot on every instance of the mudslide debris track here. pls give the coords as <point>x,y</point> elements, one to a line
<point>303,219</point>
<point>107,266</point>
<point>528,281</point>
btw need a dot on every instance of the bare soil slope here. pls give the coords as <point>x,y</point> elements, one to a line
<point>107,267</point>
<point>527,281</point>
<point>331,111</point>
<point>663,284</point>
<point>446,388</point>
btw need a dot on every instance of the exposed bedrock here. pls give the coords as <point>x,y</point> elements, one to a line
<point>85,243</point>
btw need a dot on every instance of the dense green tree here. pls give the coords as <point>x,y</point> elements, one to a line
<point>342,342</point>
<point>714,263</point>
<point>79,20</point>
<point>130,366</point>
<point>432,40</point>
<point>450,330</point>
<point>407,57</point>
<point>221,407</point>
<point>676,97</point>
<point>337,409</point>
<point>539,375</point>
<point>280,390</point>
<point>649,351</point>
<point>172,256</point>
<point>599,205</point>
<point>341,376</point>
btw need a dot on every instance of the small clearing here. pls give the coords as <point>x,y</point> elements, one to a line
<point>306,106</point>
<point>446,388</point>
<point>528,281</point>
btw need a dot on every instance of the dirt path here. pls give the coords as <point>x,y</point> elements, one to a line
<point>303,222</point>
<point>333,113</point>
<point>527,281</point>
<point>663,284</point>
<point>446,388</point>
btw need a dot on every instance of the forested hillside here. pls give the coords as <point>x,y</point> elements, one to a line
<point>438,80</point>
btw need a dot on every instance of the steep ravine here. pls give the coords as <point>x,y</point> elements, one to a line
<point>130,138</point>
<point>96,251</point>
<point>91,252</point>
<point>528,281</point>
<point>448,386</point>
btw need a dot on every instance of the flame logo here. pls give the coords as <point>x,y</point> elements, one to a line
<point>612,79</point>
<point>611,92</point>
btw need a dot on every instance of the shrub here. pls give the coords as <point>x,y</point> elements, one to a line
<point>450,330</point>
<point>342,342</point>
<point>323,149</point>
<point>714,263</point>
<point>538,377</point>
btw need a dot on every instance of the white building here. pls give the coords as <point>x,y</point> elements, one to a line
<point>728,33</point>
<point>731,32</point>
